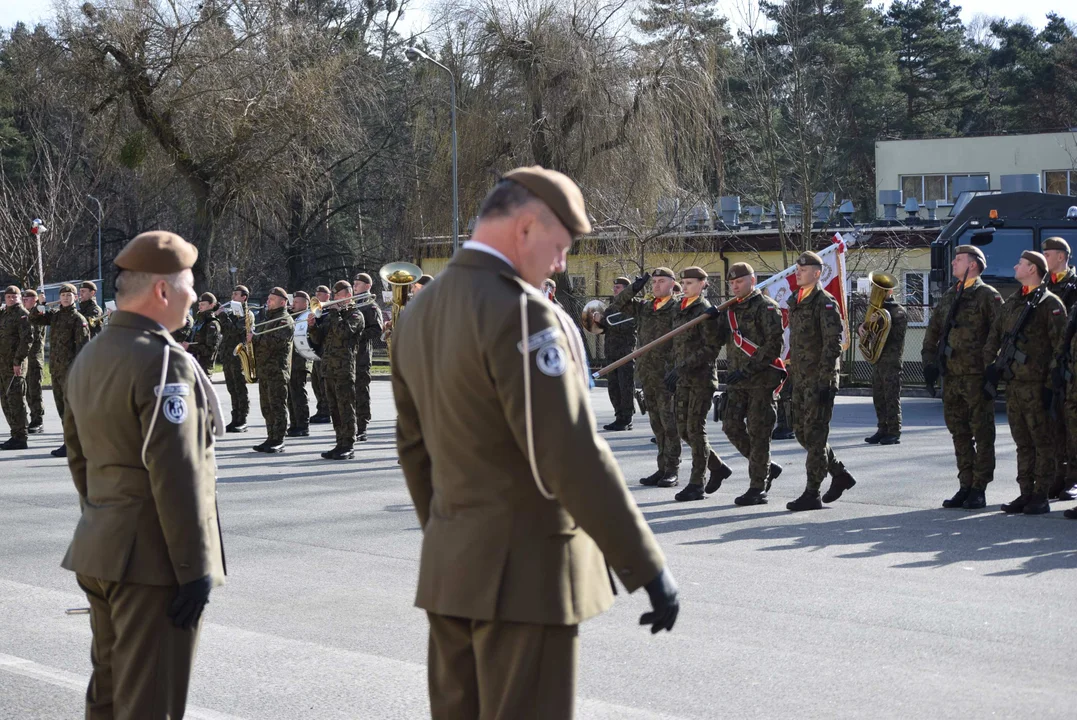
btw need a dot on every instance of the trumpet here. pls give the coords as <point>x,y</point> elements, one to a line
<point>315,307</point>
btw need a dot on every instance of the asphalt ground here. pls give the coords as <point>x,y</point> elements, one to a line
<point>882,605</point>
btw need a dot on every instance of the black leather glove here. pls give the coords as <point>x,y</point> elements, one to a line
<point>712,311</point>
<point>671,380</point>
<point>825,394</point>
<point>992,375</point>
<point>931,374</point>
<point>735,377</point>
<point>663,593</point>
<point>190,600</point>
<point>639,282</point>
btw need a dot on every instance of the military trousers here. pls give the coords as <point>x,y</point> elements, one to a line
<point>621,388</point>
<point>33,393</point>
<point>141,661</point>
<point>692,405</point>
<point>362,395</point>
<point>1069,428</point>
<point>13,399</point>
<point>340,396</point>
<point>59,390</point>
<point>495,670</point>
<point>886,395</point>
<point>812,411</point>
<point>273,398</point>
<point>237,387</point>
<point>1027,414</point>
<point>317,384</point>
<point>298,400</point>
<point>970,418</point>
<point>660,412</point>
<point>748,422</point>
<point>785,406</point>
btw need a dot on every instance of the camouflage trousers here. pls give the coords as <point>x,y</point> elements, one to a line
<point>273,397</point>
<point>785,406</point>
<point>811,424</point>
<point>317,384</point>
<point>664,426</point>
<point>362,397</point>
<point>1066,465</point>
<point>970,418</point>
<point>237,387</point>
<point>692,406</point>
<point>1027,412</point>
<point>340,396</point>
<point>59,388</point>
<point>886,394</point>
<point>13,399</point>
<point>748,422</point>
<point>621,388</point>
<point>298,401</point>
<point>33,393</point>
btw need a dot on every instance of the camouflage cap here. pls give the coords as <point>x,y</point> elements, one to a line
<point>1055,243</point>
<point>208,297</point>
<point>558,191</point>
<point>663,271</point>
<point>739,270</point>
<point>974,252</point>
<point>621,280</point>
<point>157,252</point>
<point>279,292</point>
<point>88,285</point>
<point>68,288</point>
<point>242,289</point>
<point>809,258</point>
<point>693,272</point>
<point>364,277</point>
<point>1036,259</point>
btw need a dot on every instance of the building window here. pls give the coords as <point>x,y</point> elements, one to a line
<point>933,187</point>
<point>915,286</point>
<point>1060,182</point>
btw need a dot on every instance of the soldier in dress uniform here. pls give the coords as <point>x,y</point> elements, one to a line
<point>338,331</point>
<point>206,334</point>
<point>68,335</point>
<point>147,547</point>
<point>234,329</point>
<point>89,308</point>
<point>298,400</point>
<point>36,367</point>
<point>317,380</point>
<point>621,383</point>
<point>373,324</point>
<point>273,358</point>
<point>1062,281</point>
<point>886,377</point>
<point>507,581</point>
<point>16,337</point>
<point>815,329</point>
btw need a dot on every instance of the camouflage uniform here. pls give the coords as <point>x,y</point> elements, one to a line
<point>273,358</point>
<point>16,336</point>
<point>969,414</point>
<point>693,356</point>
<point>1027,393</point>
<point>1064,285</point>
<point>233,333</point>
<point>298,400</point>
<point>93,313</point>
<point>338,331</point>
<point>184,333</point>
<point>654,318</point>
<point>317,383</point>
<point>69,333</point>
<point>886,373</point>
<point>373,324</point>
<point>621,386</point>
<point>750,407</point>
<point>205,340</point>
<point>36,362</point>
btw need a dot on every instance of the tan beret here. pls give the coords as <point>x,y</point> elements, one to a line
<point>301,294</point>
<point>809,258</point>
<point>279,292</point>
<point>157,252</point>
<point>243,289</point>
<point>1036,259</point>
<point>29,293</point>
<point>663,272</point>
<point>1056,243</point>
<point>559,193</point>
<point>739,270</point>
<point>693,272</point>
<point>342,285</point>
<point>973,251</point>
<point>12,290</point>
<point>363,277</point>
<point>88,285</point>
<point>68,288</point>
<point>621,280</point>
<point>209,298</point>
<point>424,279</point>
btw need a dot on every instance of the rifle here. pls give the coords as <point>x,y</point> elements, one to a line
<point>1008,353</point>
<point>1064,374</point>
<point>945,351</point>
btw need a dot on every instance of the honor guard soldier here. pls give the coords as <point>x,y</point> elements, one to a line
<point>147,547</point>
<point>317,380</point>
<point>16,337</point>
<point>815,329</point>
<point>206,334</point>
<point>373,324</point>
<point>69,334</point>
<point>521,435</point>
<point>886,376</point>
<point>298,401</point>
<point>35,367</point>
<point>1020,350</point>
<point>753,336</point>
<point>654,318</point>
<point>953,350</point>
<point>621,383</point>
<point>692,379</point>
<point>234,329</point>
<point>1062,281</point>
<point>273,359</point>
<point>338,332</point>
<point>89,308</point>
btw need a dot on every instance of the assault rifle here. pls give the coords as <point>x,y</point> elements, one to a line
<point>945,350</point>
<point>1008,353</point>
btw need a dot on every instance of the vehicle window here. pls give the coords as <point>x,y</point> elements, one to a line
<point>1003,249</point>
<point>1068,234</point>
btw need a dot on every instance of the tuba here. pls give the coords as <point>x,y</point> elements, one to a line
<point>245,352</point>
<point>400,276</point>
<point>587,317</point>
<point>877,320</point>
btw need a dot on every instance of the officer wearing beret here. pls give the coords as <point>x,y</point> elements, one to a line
<point>1062,281</point>
<point>273,359</point>
<point>35,366</point>
<point>317,378</point>
<point>373,324</point>
<point>620,333</point>
<point>147,547</point>
<point>89,308</point>
<point>506,581</point>
<point>234,329</point>
<point>16,338</point>
<point>298,400</point>
<point>69,334</point>
<point>205,334</point>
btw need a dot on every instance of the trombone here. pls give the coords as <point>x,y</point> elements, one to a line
<point>315,307</point>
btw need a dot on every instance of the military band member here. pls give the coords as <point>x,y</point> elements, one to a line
<point>36,367</point>
<point>1027,390</point>
<point>338,330</point>
<point>184,333</point>
<point>89,308</point>
<point>654,318</point>
<point>298,400</point>
<point>273,359</point>
<point>752,333</point>
<point>886,376</point>
<point>815,329</point>
<point>16,337</point>
<point>69,333</point>
<point>692,379</point>
<point>1062,281</point>
<point>234,332</point>
<point>317,379</point>
<point>621,383</point>
<point>506,582</point>
<point>373,324</point>
<point>205,334</point>
<point>969,413</point>
<point>421,283</point>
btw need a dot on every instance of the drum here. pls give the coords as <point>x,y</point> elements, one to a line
<point>301,339</point>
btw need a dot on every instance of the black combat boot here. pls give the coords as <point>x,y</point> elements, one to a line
<point>36,428</point>
<point>668,480</point>
<point>328,454</point>
<point>890,439</point>
<point>60,451</point>
<point>654,441</point>
<point>754,496</point>
<point>1017,505</point>
<point>874,439</point>
<point>719,471</point>
<point>1061,489</point>
<point>237,426</point>
<point>808,501</point>
<point>976,500</point>
<point>959,498</point>
<point>1071,513</point>
<point>618,426</point>
<point>775,471</point>
<point>298,432</point>
<point>320,419</point>
<point>783,433</point>
<point>652,479</point>
<point>691,491</point>
<point>273,447</point>
<point>343,454</point>
<point>839,483</point>
<point>261,447</point>
<point>1037,504</point>
<point>13,444</point>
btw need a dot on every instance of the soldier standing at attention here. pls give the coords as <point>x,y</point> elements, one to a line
<point>521,435</point>
<point>815,351</point>
<point>1062,281</point>
<point>958,331</point>
<point>338,331</point>
<point>36,367</point>
<point>273,358</point>
<point>206,334</point>
<point>89,308</point>
<point>147,547</point>
<point>654,319</point>
<point>886,377</point>
<point>621,383</point>
<point>70,333</point>
<point>298,400</point>
<point>373,324</point>
<point>1031,322</point>
<point>16,337</point>
<point>234,329</point>
<point>317,380</point>
<point>692,379</point>
<point>752,334</point>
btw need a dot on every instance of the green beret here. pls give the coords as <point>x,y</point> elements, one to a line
<point>559,193</point>
<point>1036,259</point>
<point>363,277</point>
<point>12,290</point>
<point>301,294</point>
<point>739,270</point>
<point>1056,243</point>
<point>663,272</point>
<point>279,292</point>
<point>242,289</point>
<point>322,289</point>
<point>157,252</point>
<point>342,285</point>
<point>68,288</point>
<point>973,251</point>
<point>29,293</point>
<point>88,285</point>
<point>695,272</point>
<point>809,258</point>
<point>209,298</point>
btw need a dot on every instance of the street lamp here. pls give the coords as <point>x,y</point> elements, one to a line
<point>100,213</point>
<point>414,54</point>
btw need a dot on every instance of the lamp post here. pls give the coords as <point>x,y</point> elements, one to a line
<point>414,54</point>
<point>100,213</point>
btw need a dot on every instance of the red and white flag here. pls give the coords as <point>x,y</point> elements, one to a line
<point>781,286</point>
